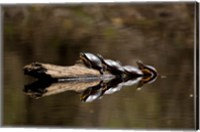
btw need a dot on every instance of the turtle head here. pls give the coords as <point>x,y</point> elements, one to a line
<point>82,55</point>
<point>140,64</point>
<point>100,57</point>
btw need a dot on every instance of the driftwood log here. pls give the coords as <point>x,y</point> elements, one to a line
<point>85,88</point>
<point>54,79</point>
<point>62,73</point>
<point>88,82</point>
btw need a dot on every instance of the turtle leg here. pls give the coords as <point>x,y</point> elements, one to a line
<point>101,71</point>
<point>89,65</point>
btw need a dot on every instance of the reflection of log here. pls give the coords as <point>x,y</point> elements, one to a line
<point>89,90</point>
<point>41,70</point>
<point>41,89</point>
<point>70,86</point>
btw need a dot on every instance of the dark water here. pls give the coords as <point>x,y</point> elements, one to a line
<point>161,35</point>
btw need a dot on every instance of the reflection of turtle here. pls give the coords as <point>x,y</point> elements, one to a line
<point>92,61</point>
<point>112,90</point>
<point>132,71</point>
<point>150,73</point>
<point>92,93</point>
<point>112,86</point>
<point>146,80</point>
<point>114,67</point>
<point>131,82</point>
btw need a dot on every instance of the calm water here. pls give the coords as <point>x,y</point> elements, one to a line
<point>56,35</point>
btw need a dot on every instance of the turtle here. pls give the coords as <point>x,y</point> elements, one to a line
<point>114,67</point>
<point>92,61</point>
<point>147,69</point>
<point>132,71</point>
<point>150,73</point>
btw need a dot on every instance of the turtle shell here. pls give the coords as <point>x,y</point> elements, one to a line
<point>91,60</point>
<point>151,68</point>
<point>147,69</point>
<point>113,66</point>
<point>130,70</point>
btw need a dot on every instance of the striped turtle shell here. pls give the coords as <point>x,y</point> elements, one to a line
<point>112,66</point>
<point>132,71</point>
<point>92,61</point>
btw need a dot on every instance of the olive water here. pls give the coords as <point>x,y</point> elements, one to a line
<point>161,35</point>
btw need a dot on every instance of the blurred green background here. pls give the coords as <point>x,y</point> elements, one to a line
<point>159,34</point>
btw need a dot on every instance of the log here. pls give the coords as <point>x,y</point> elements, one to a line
<point>84,87</point>
<point>50,71</point>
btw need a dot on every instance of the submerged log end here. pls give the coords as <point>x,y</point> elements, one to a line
<point>36,69</point>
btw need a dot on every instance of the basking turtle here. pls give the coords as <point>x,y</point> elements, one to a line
<point>150,73</point>
<point>92,61</point>
<point>147,69</point>
<point>132,71</point>
<point>114,67</point>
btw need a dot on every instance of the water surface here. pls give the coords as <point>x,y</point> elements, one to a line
<point>160,35</point>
